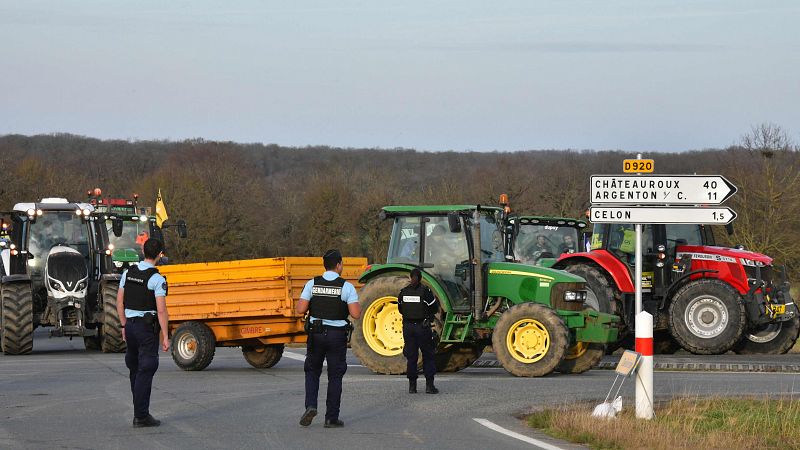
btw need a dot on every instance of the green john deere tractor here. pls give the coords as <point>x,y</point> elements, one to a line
<point>533,317</point>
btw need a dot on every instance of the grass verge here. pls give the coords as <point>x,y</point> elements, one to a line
<point>683,423</point>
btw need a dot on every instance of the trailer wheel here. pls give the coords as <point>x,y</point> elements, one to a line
<point>111,337</point>
<point>707,317</point>
<point>264,356</point>
<point>377,338</point>
<point>772,338</point>
<point>457,357</point>
<point>17,318</point>
<point>530,340</point>
<point>193,346</point>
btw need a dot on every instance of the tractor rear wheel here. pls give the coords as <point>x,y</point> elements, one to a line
<point>457,357</point>
<point>599,292</point>
<point>530,340</point>
<point>111,338</point>
<point>377,338</point>
<point>706,317</point>
<point>263,356</point>
<point>772,338</point>
<point>582,357</point>
<point>92,342</point>
<point>193,346</point>
<point>17,318</point>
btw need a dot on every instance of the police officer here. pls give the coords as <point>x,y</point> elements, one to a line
<point>142,308</point>
<point>328,299</point>
<point>418,306</point>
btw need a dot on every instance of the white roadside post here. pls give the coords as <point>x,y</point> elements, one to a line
<point>644,376</point>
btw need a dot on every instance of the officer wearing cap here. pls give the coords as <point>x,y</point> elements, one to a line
<point>142,308</point>
<point>328,299</point>
<point>418,306</point>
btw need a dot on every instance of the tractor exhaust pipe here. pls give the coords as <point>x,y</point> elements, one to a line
<point>477,293</point>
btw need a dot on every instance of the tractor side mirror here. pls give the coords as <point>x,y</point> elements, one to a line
<point>455,223</point>
<point>729,229</point>
<point>116,227</point>
<point>182,232</point>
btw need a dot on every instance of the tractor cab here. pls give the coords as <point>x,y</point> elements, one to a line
<point>128,226</point>
<point>541,240</point>
<point>441,243</point>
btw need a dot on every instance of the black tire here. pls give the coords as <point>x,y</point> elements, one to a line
<point>772,339</point>
<point>193,346</point>
<point>600,293</point>
<point>664,343</point>
<point>17,318</point>
<point>699,302</point>
<point>579,359</point>
<point>457,357</point>
<point>377,288</point>
<point>111,331</point>
<point>540,318</point>
<point>264,356</point>
<point>92,343</point>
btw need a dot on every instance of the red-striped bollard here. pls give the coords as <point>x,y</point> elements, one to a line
<point>644,375</point>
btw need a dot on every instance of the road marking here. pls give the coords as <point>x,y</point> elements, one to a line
<point>521,437</point>
<point>298,357</point>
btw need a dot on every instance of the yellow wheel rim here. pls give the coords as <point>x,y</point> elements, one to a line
<point>577,350</point>
<point>528,341</point>
<point>383,327</point>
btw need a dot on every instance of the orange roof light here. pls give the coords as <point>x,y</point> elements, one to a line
<point>503,199</point>
<point>98,192</point>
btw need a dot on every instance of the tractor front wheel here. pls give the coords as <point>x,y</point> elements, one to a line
<point>772,338</point>
<point>111,338</point>
<point>707,317</point>
<point>377,338</point>
<point>16,319</point>
<point>530,340</point>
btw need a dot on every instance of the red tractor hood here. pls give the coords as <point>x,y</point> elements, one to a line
<point>743,257</point>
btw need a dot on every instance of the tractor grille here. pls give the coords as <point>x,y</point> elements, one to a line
<point>557,296</point>
<point>70,316</point>
<point>766,273</point>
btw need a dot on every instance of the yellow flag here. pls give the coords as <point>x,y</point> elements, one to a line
<point>161,210</point>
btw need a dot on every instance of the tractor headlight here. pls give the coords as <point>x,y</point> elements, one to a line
<point>56,286</point>
<point>81,285</point>
<point>575,296</point>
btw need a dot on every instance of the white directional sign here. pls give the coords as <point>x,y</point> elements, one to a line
<point>660,189</point>
<point>654,214</point>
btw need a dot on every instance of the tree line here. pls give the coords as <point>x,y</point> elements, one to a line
<point>254,200</point>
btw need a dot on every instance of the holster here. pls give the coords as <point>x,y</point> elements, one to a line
<point>152,320</point>
<point>349,328</point>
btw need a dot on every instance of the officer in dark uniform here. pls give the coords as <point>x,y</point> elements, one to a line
<point>142,308</point>
<point>328,299</point>
<point>418,306</point>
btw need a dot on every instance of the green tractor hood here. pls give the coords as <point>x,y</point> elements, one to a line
<point>125,255</point>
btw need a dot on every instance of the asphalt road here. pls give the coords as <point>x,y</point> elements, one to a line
<point>64,397</point>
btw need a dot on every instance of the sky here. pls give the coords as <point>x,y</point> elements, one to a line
<point>431,75</point>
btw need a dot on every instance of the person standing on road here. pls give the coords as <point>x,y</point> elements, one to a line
<point>142,309</point>
<point>328,299</point>
<point>417,305</point>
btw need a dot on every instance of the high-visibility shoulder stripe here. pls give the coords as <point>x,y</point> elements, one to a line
<point>517,272</point>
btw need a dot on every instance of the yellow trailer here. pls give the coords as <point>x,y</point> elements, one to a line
<point>247,303</point>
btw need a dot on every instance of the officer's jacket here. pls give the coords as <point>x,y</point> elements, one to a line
<point>417,303</point>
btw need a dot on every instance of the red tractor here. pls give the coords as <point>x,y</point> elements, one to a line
<point>703,298</point>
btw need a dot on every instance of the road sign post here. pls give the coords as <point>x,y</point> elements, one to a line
<point>655,199</point>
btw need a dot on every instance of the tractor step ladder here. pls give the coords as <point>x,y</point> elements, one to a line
<point>456,327</point>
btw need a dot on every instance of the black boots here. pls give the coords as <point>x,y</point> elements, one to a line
<point>146,421</point>
<point>412,385</point>
<point>429,387</point>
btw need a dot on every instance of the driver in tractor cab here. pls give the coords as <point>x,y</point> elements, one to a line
<point>568,245</point>
<point>541,245</point>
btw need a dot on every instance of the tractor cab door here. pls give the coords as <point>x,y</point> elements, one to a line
<point>445,255</point>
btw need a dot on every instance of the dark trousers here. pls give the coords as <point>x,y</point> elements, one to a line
<point>416,337</point>
<point>141,358</point>
<point>331,344</point>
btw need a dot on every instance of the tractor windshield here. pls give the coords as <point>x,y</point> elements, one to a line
<point>537,240</point>
<point>56,227</point>
<point>491,237</point>
<point>128,246</point>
